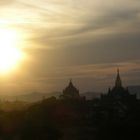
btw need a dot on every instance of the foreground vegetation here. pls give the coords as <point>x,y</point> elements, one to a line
<point>53,119</point>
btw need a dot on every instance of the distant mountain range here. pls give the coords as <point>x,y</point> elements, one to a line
<point>36,96</point>
<point>31,97</point>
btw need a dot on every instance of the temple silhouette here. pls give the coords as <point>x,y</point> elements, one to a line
<point>118,92</point>
<point>113,116</point>
<point>71,92</point>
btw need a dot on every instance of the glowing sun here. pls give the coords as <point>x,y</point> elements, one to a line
<point>10,54</point>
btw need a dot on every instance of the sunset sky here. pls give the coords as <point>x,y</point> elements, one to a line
<point>86,40</point>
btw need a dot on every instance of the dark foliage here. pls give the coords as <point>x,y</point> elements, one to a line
<point>53,119</point>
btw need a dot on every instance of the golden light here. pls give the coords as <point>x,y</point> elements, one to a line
<point>10,54</point>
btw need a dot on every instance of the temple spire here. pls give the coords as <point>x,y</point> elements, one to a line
<point>70,83</point>
<point>118,82</point>
<point>71,91</point>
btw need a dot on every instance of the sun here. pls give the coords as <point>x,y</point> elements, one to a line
<point>10,53</point>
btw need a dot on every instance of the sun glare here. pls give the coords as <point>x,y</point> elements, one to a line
<point>10,53</point>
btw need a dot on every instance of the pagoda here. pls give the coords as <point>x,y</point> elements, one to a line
<point>118,92</point>
<point>70,92</point>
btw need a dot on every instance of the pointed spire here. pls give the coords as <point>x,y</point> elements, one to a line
<point>118,82</point>
<point>70,83</point>
<point>118,71</point>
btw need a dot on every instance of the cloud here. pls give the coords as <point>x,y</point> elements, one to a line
<point>91,16</point>
<point>6,2</point>
<point>67,22</point>
<point>86,40</point>
<point>86,77</point>
<point>56,20</point>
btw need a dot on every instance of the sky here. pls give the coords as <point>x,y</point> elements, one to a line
<point>66,39</point>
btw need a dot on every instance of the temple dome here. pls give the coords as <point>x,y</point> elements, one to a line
<point>71,91</point>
